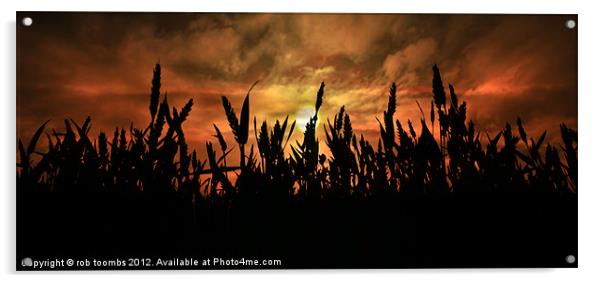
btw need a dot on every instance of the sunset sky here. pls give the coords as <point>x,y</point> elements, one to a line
<point>71,65</point>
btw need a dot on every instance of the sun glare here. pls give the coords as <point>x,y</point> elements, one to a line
<point>303,115</point>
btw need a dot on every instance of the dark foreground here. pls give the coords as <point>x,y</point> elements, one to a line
<point>402,231</point>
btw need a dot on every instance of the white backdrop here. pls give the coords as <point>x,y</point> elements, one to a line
<point>590,158</point>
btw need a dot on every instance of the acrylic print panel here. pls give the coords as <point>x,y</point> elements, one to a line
<point>284,141</point>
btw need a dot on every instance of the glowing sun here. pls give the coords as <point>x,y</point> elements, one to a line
<point>303,116</point>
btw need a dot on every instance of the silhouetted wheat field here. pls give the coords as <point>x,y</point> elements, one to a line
<point>413,199</point>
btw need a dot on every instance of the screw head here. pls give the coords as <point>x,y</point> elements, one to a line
<point>570,259</point>
<point>27,261</point>
<point>27,21</point>
<point>570,24</point>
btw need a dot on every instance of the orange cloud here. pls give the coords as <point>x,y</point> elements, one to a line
<point>504,66</point>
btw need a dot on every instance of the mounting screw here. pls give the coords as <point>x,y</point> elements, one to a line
<point>27,262</point>
<point>570,24</point>
<point>27,21</point>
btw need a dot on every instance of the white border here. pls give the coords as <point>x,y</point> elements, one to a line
<point>590,159</point>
